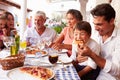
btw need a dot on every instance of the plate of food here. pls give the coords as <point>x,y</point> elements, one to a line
<point>31,73</point>
<point>31,52</point>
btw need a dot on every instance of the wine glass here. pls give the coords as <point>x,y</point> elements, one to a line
<point>13,33</point>
<point>53,58</point>
<point>41,44</point>
<point>8,41</point>
<point>33,40</point>
<point>23,44</point>
<point>47,43</point>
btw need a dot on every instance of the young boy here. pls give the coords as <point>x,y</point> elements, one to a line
<point>87,69</point>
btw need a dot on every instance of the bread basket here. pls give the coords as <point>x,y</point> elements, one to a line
<point>13,61</point>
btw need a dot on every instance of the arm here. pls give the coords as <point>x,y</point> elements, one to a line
<point>86,51</point>
<point>59,39</point>
<point>84,71</point>
<point>98,60</point>
<point>59,45</point>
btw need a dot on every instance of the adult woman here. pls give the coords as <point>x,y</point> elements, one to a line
<point>6,25</point>
<point>66,36</point>
<point>10,22</point>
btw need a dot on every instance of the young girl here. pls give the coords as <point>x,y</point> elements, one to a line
<point>87,69</point>
<point>3,30</point>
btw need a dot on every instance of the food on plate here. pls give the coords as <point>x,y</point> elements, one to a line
<point>38,72</point>
<point>33,51</point>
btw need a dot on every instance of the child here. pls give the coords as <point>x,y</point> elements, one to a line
<point>3,30</point>
<point>87,69</point>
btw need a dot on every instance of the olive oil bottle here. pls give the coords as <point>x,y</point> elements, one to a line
<point>17,42</point>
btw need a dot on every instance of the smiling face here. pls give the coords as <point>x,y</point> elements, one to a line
<point>102,26</point>
<point>71,20</point>
<point>2,23</point>
<point>39,21</point>
<point>81,35</point>
<point>10,21</point>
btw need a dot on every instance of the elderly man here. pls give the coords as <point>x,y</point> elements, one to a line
<point>39,31</point>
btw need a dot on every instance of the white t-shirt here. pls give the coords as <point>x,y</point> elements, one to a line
<point>32,35</point>
<point>93,45</point>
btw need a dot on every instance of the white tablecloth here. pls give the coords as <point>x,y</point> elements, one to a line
<point>60,74</point>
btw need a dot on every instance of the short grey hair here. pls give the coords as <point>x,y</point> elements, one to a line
<point>41,13</point>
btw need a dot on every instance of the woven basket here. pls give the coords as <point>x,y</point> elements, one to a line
<point>11,62</point>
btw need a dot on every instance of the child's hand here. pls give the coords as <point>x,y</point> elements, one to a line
<point>84,50</point>
<point>4,31</point>
<point>81,59</point>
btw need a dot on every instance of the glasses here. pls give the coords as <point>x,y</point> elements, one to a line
<point>8,41</point>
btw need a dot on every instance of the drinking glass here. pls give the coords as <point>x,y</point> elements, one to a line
<point>47,43</point>
<point>41,44</point>
<point>23,44</point>
<point>13,33</point>
<point>8,41</point>
<point>33,40</point>
<point>53,58</point>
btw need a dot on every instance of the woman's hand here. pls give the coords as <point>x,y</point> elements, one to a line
<point>57,46</point>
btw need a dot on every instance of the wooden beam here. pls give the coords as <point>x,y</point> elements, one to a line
<point>6,2</point>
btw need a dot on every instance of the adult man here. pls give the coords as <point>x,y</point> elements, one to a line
<point>40,31</point>
<point>109,40</point>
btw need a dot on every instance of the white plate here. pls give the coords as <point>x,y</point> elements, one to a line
<point>64,59</point>
<point>33,55</point>
<point>40,62</point>
<point>16,74</point>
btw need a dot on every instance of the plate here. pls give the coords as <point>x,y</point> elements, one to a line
<point>32,52</point>
<point>40,62</point>
<point>33,55</point>
<point>64,59</point>
<point>16,74</point>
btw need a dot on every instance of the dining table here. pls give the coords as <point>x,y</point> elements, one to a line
<point>64,69</point>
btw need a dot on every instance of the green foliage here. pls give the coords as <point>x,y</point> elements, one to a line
<point>58,28</point>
